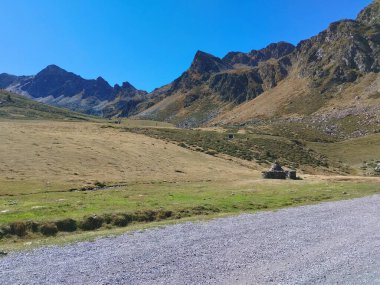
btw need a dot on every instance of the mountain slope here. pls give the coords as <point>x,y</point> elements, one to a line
<point>212,85</point>
<point>333,85</point>
<point>55,86</point>
<point>316,78</point>
<point>13,106</point>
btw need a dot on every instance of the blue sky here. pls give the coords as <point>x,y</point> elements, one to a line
<point>150,42</point>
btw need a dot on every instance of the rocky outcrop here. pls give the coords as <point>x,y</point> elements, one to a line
<point>370,15</point>
<point>240,86</point>
<point>346,50</point>
<point>205,63</point>
<point>253,58</point>
<point>201,68</point>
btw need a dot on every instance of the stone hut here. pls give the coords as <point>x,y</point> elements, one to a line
<point>277,172</point>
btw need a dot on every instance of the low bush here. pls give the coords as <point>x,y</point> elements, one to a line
<point>18,228</point>
<point>49,229</point>
<point>122,220</point>
<point>108,218</point>
<point>32,226</point>
<point>145,216</point>
<point>4,231</point>
<point>66,225</point>
<point>91,223</point>
<point>163,215</point>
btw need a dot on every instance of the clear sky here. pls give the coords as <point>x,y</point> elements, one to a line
<point>151,42</point>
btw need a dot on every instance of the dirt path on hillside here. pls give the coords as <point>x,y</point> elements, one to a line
<point>336,242</point>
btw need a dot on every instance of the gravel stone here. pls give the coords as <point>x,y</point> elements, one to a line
<point>329,243</point>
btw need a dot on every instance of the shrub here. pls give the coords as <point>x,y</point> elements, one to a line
<point>122,220</point>
<point>162,215</point>
<point>66,225</point>
<point>49,229</point>
<point>91,223</point>
<point>107,218</point>
<point>4,231</point>
<point>32,226</point>
<point>18,228</point>
<point>145,216</point>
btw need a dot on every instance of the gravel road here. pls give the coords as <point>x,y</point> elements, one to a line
<point>330,243</point>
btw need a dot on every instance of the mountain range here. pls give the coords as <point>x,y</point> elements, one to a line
<point>325,81</point>
<point>55,86</point>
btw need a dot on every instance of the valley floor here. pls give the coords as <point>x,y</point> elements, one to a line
<point>70,181</point>
<point>329,243</point>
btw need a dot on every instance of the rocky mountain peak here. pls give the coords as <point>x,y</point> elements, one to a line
<point>100,79</point>
<point>371,14</point>
<point>207,63</point>
<point>52,68</point>
<point>128,86</point>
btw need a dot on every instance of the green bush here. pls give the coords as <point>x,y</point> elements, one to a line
<point>66,225</point>
<point>122,220</point>
<point>145,216</point>
<point>91,223</point>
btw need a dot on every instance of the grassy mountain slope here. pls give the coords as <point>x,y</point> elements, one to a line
<point>14,106</point>
<point>352,111</point>
<point>362,154</point>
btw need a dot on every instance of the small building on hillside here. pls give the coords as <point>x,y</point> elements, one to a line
<point>277,172</point>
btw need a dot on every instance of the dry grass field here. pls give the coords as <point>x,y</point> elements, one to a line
<point>46,154</point>
<point>99,176</point>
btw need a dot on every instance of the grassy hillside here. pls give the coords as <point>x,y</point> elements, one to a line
<point>51,155</point>
<point>68,179</point>
<point>260,148</point>
<point>14,106</point>
<point>352,111</point>
<point>362,154</point>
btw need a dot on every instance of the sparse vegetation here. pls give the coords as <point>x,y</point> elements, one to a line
<point>352,152</point>
<point>261,148</point>
<point>14,106</point>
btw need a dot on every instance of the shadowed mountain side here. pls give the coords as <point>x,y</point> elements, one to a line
<point>211,85</point>
<point>55,86</point>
